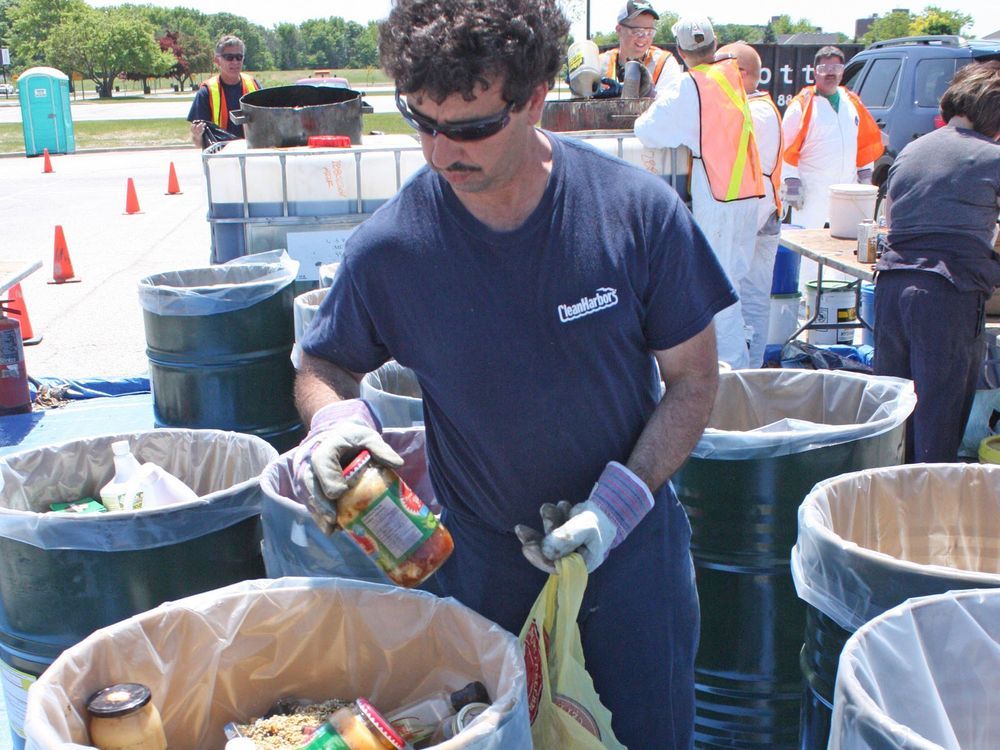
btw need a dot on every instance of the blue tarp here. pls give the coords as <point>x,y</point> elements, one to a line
<point>89,387</point>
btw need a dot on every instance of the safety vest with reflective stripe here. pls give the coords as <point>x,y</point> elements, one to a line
<point>654,60</point>
<point>869,135</point>
<point>217,99</point>
<point>775,175</point>
<point>728,146</point>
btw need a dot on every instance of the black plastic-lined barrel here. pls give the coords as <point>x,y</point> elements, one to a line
<point>742,503</point>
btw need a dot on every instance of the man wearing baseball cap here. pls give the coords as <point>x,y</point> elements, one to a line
<point>706,110</point>
<point>636,29</point>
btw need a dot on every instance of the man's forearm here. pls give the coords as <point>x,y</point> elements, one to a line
<point>319,383</point>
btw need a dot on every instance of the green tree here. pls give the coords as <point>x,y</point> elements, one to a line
<point>104,44</point>
<point>664,35</point>
<point>728,33</point>
<point>287,53</point>
<point>258,55</point>
<point>936,21</point>
<point>31,23</point>
<point>892,26</point>
<point>784,24</point>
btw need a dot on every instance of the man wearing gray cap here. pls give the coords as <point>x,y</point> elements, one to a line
<point>706,110</point>
<point>636,29</point>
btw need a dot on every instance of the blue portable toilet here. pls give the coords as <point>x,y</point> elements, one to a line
<point>45,115</point>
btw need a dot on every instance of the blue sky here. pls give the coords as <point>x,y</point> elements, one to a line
<point>831,16</point>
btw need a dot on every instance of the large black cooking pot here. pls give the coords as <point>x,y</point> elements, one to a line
<point>287,115</point>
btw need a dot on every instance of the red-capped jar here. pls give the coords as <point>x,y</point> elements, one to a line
<point>358,726</point>
<point>391,524</point>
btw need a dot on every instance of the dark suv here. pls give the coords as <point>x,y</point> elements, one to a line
<point>901,81</point>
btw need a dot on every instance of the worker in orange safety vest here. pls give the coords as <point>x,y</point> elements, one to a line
<point>830,138</point>
<point>221,94</point>
<point>707,111</point>
<point>636,28</point>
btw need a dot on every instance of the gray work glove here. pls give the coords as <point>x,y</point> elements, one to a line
<point>553,516</point>
<point>339,432</point>
<point>792,194</point>
<point>865,176</point>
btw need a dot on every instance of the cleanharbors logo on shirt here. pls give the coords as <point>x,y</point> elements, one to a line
<point>604,298</point>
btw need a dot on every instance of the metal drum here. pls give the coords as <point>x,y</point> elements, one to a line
<point>286,116</point>
<point>560,116</point>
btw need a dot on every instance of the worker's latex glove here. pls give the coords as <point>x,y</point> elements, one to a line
<point>553,515</point>
<point>608,89</point>
<point>618,501</point>
<point>864,176</point>
<point>792,194</point>
<point>337,434</point>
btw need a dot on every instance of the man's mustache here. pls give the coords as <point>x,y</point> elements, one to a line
<point>460,167</point>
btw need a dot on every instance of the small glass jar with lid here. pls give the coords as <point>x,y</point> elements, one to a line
<point>358,726</point>
<point>123,717</point>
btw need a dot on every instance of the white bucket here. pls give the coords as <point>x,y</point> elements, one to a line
<point>583,64</point>
<point>837,305</point>
<point>849,206</point>
<point>784,317</point>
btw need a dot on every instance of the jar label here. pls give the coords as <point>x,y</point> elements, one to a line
<point>393,525</point>
<point>326,738</point>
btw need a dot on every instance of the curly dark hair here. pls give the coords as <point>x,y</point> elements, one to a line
<point>445,47</point>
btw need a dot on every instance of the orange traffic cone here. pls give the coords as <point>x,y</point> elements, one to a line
<point>17,309</point>
<point>47,168</point>
<point>62,267</point>
<point>131,199</point>
<point>173,187</point>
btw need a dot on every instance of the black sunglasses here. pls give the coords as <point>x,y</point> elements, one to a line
<point>230,56</point>
<point>470,130</point>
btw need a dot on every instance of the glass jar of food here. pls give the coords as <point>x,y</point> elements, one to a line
<point>390,523</point>
<point>123,717</point>
<point>355,727</point>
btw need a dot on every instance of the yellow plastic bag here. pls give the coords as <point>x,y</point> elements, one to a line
<point>564,708</point>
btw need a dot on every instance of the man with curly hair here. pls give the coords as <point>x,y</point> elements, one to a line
<point>544,294</point>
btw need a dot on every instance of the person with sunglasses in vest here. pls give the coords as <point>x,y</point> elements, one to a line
<point>221,94</point>
<point>830,139</point>
<point>706,110</point>
<point>543,293</point>
<point>636,28</point>
<point>755,289</point>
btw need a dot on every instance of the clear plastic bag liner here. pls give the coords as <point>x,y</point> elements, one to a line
<point>869,540</point>
<point>777,412</point>
<point>294,545</point>
<point>229,654</point>
<point>394,393</point>
<point>228,287</point>
<point>221,467</point>
<point>922,676</point>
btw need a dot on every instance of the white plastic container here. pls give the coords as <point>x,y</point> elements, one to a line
<point>838,304</point>
<point>784,318</point>
<point>583,63</point>
<point>158,488</point>
<point>849,206</point>
<point>118,494</point>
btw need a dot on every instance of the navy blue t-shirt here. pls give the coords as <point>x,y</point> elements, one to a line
<point>532,346</point>
<point>202,110</point>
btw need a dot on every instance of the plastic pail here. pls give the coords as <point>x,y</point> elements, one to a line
<point>849,206</point>
<point>222,365</point>
<point>838,304</point>
<point>785,279</point>
<point>62,577</point>
<point>742,488</point>
<point>868,312</point>
<point>923,676</point>
<point>870,540</point>
<point>784,319</point>
<point>583,67</point>
<point>229,654</point>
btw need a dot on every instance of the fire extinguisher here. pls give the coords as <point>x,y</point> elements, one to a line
<point>14,395</point>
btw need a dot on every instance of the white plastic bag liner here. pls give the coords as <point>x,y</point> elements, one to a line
<point>221,467</point>
<point>232,286</point>
<point>294,545</point>
<point>394,393</point>
<point>869,540</point>
<point>304,310</point>
<point>778,412</point>
<point>923,676</point>
<point>227,655</point>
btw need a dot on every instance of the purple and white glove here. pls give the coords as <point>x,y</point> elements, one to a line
<point>617,503</point>
<point>792,194</point>
<point>338,432</point>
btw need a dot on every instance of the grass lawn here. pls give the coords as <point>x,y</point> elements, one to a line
<point>165,132</point>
